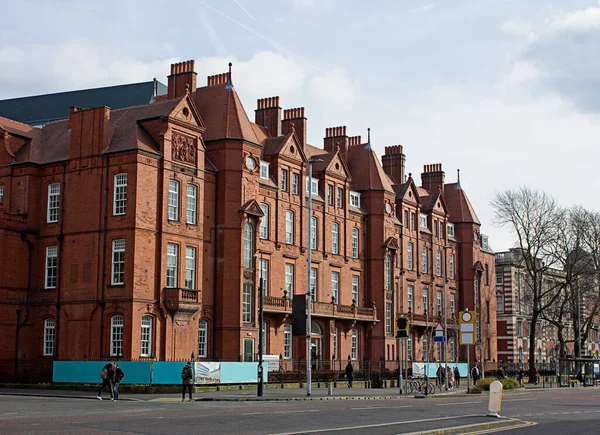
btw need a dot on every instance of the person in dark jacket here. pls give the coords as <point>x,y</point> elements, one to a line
<point>349,373</point>
<point>117,377</point>
<point>457,376</point>
<point>107,375</point>
<point>187,379</point>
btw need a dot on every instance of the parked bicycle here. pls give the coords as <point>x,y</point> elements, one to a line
<point>417,386</point>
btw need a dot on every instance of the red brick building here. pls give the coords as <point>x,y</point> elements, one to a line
<point>144,232</point>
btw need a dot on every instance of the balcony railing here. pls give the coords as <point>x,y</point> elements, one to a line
<point>323,309</point>
<point>182,302</point>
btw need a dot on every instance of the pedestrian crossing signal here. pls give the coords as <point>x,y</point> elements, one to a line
<point>402,327</point>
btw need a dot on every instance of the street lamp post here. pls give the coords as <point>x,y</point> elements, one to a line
<point>445,318</point>
<point>260,386</point>
<point>309,302</point>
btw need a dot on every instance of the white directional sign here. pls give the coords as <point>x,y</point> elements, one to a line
<point>466,319</point>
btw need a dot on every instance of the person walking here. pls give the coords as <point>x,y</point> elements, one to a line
<point>118,376</point>
<point>438,375</point>
<point>475,375</point>
<point>349,373</point>
<point>450,379</point>
<point>107,375</point>
<point>457,376</point>
<point>520,375</point>
<point>187,379</point>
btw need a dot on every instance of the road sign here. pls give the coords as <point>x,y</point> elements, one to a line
<point>439,330</point>
<point>439,339</point>
<point>466,320</point>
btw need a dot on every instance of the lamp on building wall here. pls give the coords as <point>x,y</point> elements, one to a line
<point>309,303</point>
<point>260,386</point>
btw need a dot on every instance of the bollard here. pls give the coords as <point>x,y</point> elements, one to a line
<point>495,399</point>
<point>330,389</point>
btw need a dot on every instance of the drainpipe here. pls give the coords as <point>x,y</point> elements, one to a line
<point>103,262</point>
<point>60,262</point>
<point>215,256</point>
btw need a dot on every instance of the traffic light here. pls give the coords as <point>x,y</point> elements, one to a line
<point>402,327</point>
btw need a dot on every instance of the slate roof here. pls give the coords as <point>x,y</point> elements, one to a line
<point>367,173</point>
<point>41,109</point>
<point>458,204</point>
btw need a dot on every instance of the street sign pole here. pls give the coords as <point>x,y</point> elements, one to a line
<point>400,341</point>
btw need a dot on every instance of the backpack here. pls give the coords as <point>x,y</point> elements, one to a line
<point>104,373</point>
<point>185,375</point>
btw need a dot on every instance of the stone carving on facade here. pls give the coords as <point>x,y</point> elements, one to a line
<point>183,148</point>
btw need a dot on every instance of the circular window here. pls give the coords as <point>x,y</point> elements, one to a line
<point>186,112</point>
<point>292,149</point>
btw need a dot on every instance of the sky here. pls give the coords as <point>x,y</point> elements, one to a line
<point>507,91</point>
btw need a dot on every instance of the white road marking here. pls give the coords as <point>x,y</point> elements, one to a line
<point>455,404</point>
<point>382,407</point>
<point>284,412</point>
<point>517,400</point>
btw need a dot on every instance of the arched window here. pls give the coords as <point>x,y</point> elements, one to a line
<point>248,230</point>
<point>146,336</point>
<point>335,242</point>
<point>49,334</point>
<point>202,338</point>
<point>116,335</point>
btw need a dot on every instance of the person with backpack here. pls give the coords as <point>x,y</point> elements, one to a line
<point>117,377</point>
<point>187,376</point>
<point>475,375</point>
<point>457,377</point>
<point>107,374</point>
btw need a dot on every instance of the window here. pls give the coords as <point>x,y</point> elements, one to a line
<point>289,279</point>
<point>355,199</point>
<point>49,333</point>
<point>450,230</point>
<point>284,180</point>
<point>313,232</point>
<point>354,242</point>
<point>329,194</point>
<point>295,181</point>
<point>335,282</point>
<point>355,280</point>
<point>1,193</point>
<point>405,219</point>
<point>354,344</point>
<point>248,245</point>
<point>409,348</point>
<point>477,327</point>
<point>388,318</point>
<point>202,339</point>
<point>424,259</point>
<point>425,347</point>
<point>425,299</point>
<point>287,341</point>
<point>340,197</point>
<point>190,267</point>
<point>439,302</point>
<point>116,335</point>
<point>438,263</point>
<point>486,275</point>
<point>313,283</point>
<point>289,227</point>
<point>118,262</point>
<point>451,266</point>
<point>264,170</point>
<point>435,227</point>
<point>173,200</point>
<point>264,222</point>
<point>409,296</point>
<point>484,242</point>
<point>412,221</point>
<point>452,306</point>
<point>247,304</point>
<point>120,194</point>
<point>51,266</point>
<point>190,204</point>
<point>172,257</point>
<point>476,285</point>
<point>498,277</point>
<point>441,234</point>
<point>388,272</point>
<point>335,246</point>
<point>264,275</point>
<point>314,183</point>
<point>335,343</point>
<point>487,313</point>
<point>499,303</point>
<point>452,350</point>
<point>146,336</point>
<point>53,202</point>
<point>409,256</point>
<point>423,220</point>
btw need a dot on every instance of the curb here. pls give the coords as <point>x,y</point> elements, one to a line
<point>64,396</point>
<point>470,428</point>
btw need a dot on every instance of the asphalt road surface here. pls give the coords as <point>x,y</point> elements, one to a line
<point>549,412</point>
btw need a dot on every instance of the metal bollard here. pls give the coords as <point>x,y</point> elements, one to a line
<point>330,389</point>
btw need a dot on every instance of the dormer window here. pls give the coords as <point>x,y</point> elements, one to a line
<point>484,242</point>
<point>423,220</point>
<point>264,170</point>
<point>314,185</point>
<point>451,230</point>
<point>354,199</point>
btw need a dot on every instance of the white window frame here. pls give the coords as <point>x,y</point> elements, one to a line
<point>51,276</point>
<point>441,231</point>
<point>410,290</point>
<point>422,220</point>
<point>439,301</point>
<point>314,282</point>
<point>388,271</point>
<point>314,185</point>
<point>284,180</point>
<point>263,267</point>
<point>295,181</point>
<point>116,335</point>
<point>476,289</point>
<point>120,194</point>
<point>202,338</point>
<point>354,343</point>
<point>335,343</point>
<point>191,204</point>
<point>49,336</point>
<point>264,222</point>
<point>355,199</point>
<point>425,347</point>
<point>247,303</point>
<point>190,267</point>
<point>287,341</point>
<point>248,245</point>
<point>355,288</point>
<point>53,202</point>
<point>264,170</point>
<point>424,259</point>
<point>146,336</point>
<point>388,318</point>
<point>451,266</point>
<point>173,200</point>
<point>330,194</point>
<point>499,303</point>
<point>438,263</point>
<point>1,193</point>
<point>313,232</point>
<point>118,262</point>
<point>172,265</point>
<point>409,256</point>
<point>499,277</point>
<point>409,347</point>
<point>450,229</point>
<point>289,227</point>
<point>335,238</point>
<point>354,242</point>
<point>340,198</point>
<point>425,299</point>
<point>452,304</point>
<point>335,286</point>
<point>485,242</point>
<point>289,279</point>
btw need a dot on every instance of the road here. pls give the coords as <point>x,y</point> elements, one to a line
<point>552,412</point>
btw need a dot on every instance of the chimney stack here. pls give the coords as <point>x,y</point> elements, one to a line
<point>89,131</point>
<point>336,136</point>
<point>432,178</point>
<point>182,74</point>
<point>268,114</point>
<point>393,162</point>
<point>297,118</point>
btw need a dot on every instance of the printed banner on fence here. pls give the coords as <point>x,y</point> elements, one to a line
<point>208,372</point>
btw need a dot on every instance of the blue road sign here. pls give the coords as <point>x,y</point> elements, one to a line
<point>440,339</point>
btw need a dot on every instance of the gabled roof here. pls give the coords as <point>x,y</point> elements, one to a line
<point>430,201</point>
<point>458,205</point>
<point>365,169</point>
<point>401,190</point>
<point>41,109</point>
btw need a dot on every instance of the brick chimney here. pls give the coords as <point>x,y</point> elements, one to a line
<point>89,131</point>
<point>182,74</point>
<point>432,178</point>
<point>336,136</point>
<point>268,114</point>
<point>393,162</point>
<point>296,117</point>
